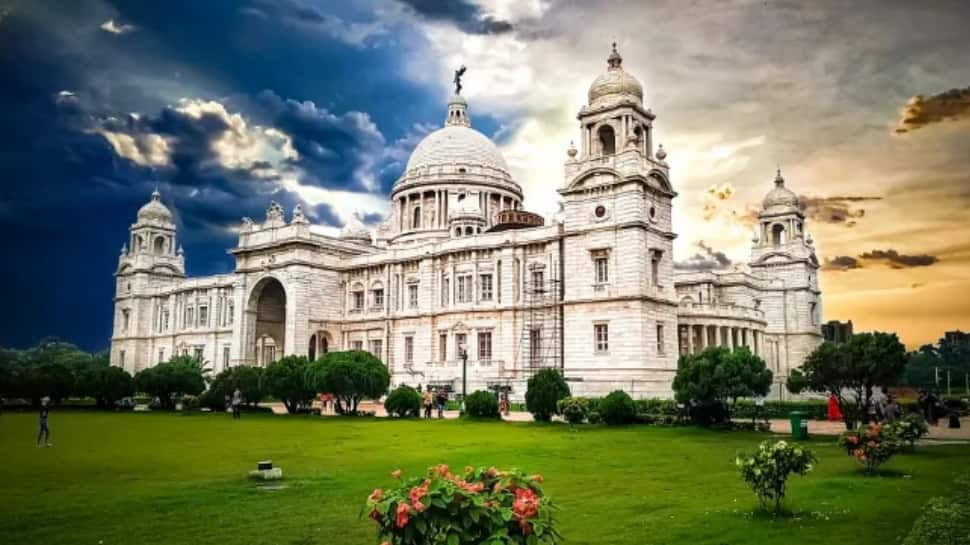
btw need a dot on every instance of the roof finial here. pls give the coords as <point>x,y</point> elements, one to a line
<point>155,194</point>
<point>779,181</point>
<point>458,74</point>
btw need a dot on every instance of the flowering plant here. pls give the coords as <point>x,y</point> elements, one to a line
<point>909,429</point>
<point>477,506</point>
<point>767,470</point>
<point>872,447</point>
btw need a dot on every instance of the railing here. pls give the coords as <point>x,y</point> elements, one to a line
<point>722,310</point>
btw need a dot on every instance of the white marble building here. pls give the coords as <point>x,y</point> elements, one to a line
<point>459,265</point>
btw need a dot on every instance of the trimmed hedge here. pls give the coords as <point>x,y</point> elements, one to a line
<point>944,520</point>
<point>617,408</point>
<point>404,401</point>
<point>481,404</point>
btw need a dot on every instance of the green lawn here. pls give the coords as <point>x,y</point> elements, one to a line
<point>160,478</point>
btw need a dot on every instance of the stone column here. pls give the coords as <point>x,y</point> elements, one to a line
<point>690,339</point>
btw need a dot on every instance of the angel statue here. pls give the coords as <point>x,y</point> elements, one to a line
<point>458,74</point>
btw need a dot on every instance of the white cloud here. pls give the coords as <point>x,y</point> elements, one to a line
<point>116,28</point>
<point>343,204</point>
<point>150,150</point>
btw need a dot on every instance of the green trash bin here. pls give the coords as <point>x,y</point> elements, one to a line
<point>799,425</point>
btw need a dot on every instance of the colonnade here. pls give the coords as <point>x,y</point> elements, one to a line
<point>490,202</point>
<point>694,338</point>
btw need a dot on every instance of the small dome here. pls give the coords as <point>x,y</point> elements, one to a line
<point>467,208</point>
<point>780,196</point>
<point>456,144</point>
<point>155,210</point>
<point>355,231</point>
<point>615,85</point>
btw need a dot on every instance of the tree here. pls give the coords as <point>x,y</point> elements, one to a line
<point>403,401</point>
<point>350,376</point>
<point>108,385</point>
<point>181,375</point>
<point>851,370</point>
<point>286,380</point>
<point>708,381</point>
<point>543,393</point>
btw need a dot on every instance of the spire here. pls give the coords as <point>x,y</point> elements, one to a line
<point>614,60</point>
<point>458,112</point>
<point>779,181</point>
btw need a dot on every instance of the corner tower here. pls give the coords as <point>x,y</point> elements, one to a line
<point>150,259</point>
<point>784,255</point>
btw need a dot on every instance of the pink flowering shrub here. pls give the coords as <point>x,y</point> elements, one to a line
<point>477,506</point>
<point>872,447</point>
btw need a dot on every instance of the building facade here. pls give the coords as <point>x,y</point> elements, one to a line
<point>458,270</point>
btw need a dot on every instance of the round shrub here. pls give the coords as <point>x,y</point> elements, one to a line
<point>909,429</point>
<point>617,408</point>
<point>574,409</point>
<point>544,391</point>
<point>872,447</point>
<point>481,405</point>
<point>767,470</point>
<point>403,401</point>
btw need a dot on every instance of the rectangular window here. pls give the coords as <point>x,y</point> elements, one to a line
<point>124,319</point>
<point>356,345</point>
<point>464,288</point>
<point>602,335</point>
<point>161,355</point>
<point>655,268</point>
<point>377,348</point>
<point>602,266</point>
<point>443,347</point>
<point>165,321</point>
<point>229,314</point>
<point>461,345</point>
<point>121,358</point>
<point>188,318</point>
<point>409,349</point>
<point>198,354</point>
<point>225,357</point>
<point>379,298</point>
<point>413,295</point>
<point>814,312</point>
<point>484,345</point>
<point>203,316</point>
<point>660,338</point>
<point>486,285</point>
<point>445,289</point>
<point>358,300</point>
<point>538,281</point>
<point>535,345</point>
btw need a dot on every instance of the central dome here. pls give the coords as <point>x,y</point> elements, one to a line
<point>456,144</point>
<point>615,84</point>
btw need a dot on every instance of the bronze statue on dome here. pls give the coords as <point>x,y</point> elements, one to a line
<point>458,74</point>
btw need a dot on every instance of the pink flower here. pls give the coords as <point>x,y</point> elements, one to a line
<point>419,507</point>
<point>376,495</point>
<point>396,474</point>
<point>403,510</point>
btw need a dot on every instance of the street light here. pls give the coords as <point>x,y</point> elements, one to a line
<point>463,354</point>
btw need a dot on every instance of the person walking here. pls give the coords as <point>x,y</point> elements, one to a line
<point>442,401</point>
<point>503,404</point>
<point>428,400</point>
<point>236,404</point>
<point>44,432</point>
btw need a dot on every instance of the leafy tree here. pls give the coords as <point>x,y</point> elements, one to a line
<point>707,382</point>
<point>181,375</point>
<point>350,376</point>
<point>246,378</point>
<point>403,401</point>
<point>286,380</point>
<point>852,370</point>
<point>108,385</point>
<point>481,404</point>
<point>543,393</point>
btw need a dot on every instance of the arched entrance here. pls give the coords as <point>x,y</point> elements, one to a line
<point>319,345</point>
<point>267,313</point>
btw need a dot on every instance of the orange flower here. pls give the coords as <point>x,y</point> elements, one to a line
<point>526,504</point>
<point>376,495</point>
<point>396,474</point>
<point>537,478</point>
<point>403,510</point>
<point>442,470</point>
<point>498,487</point>
<point>417,493</point>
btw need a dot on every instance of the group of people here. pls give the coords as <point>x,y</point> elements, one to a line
<point>434,398</point>
<point>234,403</point>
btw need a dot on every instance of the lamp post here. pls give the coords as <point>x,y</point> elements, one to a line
<point>463,353</point>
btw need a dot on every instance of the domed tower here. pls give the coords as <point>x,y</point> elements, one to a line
<point>356,231</point>
<point>149,260</point>
<point>450,162</point>
<point>466,218</point>
<point>783,254</point>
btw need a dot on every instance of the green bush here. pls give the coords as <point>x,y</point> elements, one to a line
<point>403,401</point>
<point>767,470</point>
<point>350,376</point>
<point>574,409</point>
<point>909,429</point>
<point>656,407</point>
<point>617,408</point>
<point>944,520</point>
<point>481,404</point>
<point>169,381</point>
<point>544,391</point>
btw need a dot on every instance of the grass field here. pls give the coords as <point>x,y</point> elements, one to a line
<point>162,478</point>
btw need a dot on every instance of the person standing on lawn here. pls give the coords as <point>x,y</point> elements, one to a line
<point>442,401</point>
<point>428,401</point>
<point>236,404</point>
<point>44,431</point>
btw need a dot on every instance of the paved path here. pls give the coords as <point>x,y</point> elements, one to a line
<point>781,426</point>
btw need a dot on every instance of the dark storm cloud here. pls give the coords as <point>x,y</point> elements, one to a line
<point>897,260</point>
<point>835,210</point>
<point>841,263</point>
<point>705,260</point>
<point>921,111</point>
<point>461,13</point>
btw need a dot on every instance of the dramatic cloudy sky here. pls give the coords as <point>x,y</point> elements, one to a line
<point>864,105</point>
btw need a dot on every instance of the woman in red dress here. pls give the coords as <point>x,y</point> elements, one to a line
<point>835,414</point>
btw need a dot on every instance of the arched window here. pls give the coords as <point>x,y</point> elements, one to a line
<point>468,230</point>
<point>416,220</point>
<point>159,247</point>
<point>777,234</point>
<point>457,231</point>
<point>607,140</point>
